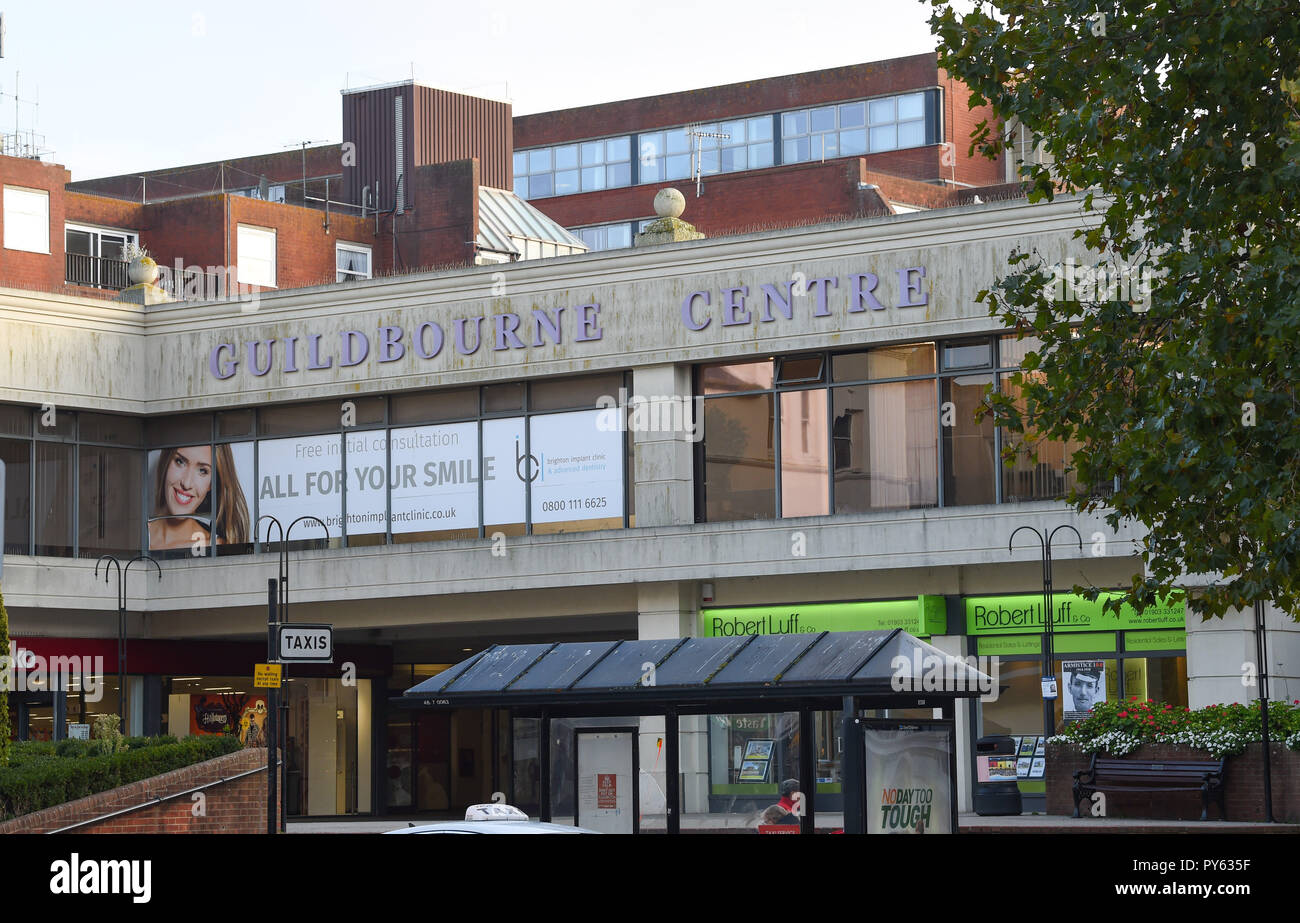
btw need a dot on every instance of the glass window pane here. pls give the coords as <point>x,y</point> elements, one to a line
<point>736,130</point>
<point>911,106</point>
<point>725,377</point>
<point>520,163</point>
<point>853,115</point>
<point>593,178</point>
<point>759,129</point>
<point>1012,350</point>
<point>521,186</point>
<point>968,355</point>
<point>593,152</point>
<point>881,110</point>
<point>805,479</point>
<point>618,235</point>
<point>825,146</point>
<point>969,462</point>
<point>853,142</point>
<point>709,161</point>
<point>435,406</point>
<point>733,159</point>
<point>503,397</point>
<point>566,157</point>
<point>618,174</point>
<point>574,393</point>
<point>679,166</point>
<point>109,482</point>
<point>288,419</point>
<point>1042,468</point>
<point>111,428</point>
<point>901,361</point>
<point>884,138</point>
<point>760,155</point>
<point>235,423</point>
<point>566,182</point>
<point>911,134</point>
<point>63,425</point>
<point>739,458</point>
<point>53,500</point>
<point>618,149</point>
<point>678,142</point>
<point>541,185</point>
<point>797,369</point>
<point>594,238</point>
<point>539,161</point>
<point>16,454</point>
<point>886,446</point>
<point>652,169</point>
<point>822,119</point>
<point>794,123</point>
<point>15,421</point>
<point>796,151</point>
<point>186,429</point>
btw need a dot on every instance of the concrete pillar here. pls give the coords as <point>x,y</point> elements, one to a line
<point>955,645</point>
<point>1221,657</point>
<point>663,466</point>
<point>670,610</point>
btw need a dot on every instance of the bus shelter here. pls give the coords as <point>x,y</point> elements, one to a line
<point>631,704</point>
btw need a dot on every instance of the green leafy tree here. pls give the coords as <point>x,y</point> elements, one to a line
<point>1175,121</point>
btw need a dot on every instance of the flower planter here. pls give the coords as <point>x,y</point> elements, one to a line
<point>1243,784</point>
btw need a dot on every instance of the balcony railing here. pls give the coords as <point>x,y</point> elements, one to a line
<point>95,271</point>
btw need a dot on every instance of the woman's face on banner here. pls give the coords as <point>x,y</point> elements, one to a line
<point>188,480</point>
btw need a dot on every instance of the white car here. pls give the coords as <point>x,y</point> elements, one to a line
<point>492,818</point>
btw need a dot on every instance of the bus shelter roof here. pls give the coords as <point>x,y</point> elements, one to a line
<point>650,676</point>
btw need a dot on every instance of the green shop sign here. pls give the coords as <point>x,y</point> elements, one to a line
<point>922,616</point>
<point>1011,615</point>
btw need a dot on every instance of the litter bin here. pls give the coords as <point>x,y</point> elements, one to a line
<point>996,792</point>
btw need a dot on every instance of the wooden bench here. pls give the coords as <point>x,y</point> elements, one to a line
<point>1105,775</point>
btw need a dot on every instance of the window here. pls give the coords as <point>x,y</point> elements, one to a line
<point>569,168</point>
<point>255,252</point>
<point>666,155</point>
<point>93,256</point>
<point>848,129</point>
<point>27,219</point>
<point>353,261</point>
<point>606,236</point>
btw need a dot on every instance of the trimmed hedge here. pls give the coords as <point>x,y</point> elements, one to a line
<point>42,774</point>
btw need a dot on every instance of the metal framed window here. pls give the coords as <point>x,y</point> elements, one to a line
<point>581,166</point>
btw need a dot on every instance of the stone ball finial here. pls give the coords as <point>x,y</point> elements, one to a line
<point>669,203</point>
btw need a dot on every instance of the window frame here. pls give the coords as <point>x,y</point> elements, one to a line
<point>17,227</point>
<point>347,275</point>
<point>254,231</point>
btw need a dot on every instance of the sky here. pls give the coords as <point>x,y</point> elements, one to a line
<point>150,85</point>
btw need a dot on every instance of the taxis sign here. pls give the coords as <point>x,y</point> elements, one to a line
<point>307,643</point>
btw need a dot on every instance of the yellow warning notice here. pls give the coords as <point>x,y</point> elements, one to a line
<point>266,676</point>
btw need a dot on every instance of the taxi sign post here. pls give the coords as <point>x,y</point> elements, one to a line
<point>272,737</point>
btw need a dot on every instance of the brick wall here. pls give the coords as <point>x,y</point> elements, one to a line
<point>237,806</point>
<point>959,120</point>
<point>440,228</point>
<point>1244,781</point>
<point>733,100</point>
<point>20,268</point>
<point>235,173</point>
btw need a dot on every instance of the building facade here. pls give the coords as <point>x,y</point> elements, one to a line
<point>760,433</point>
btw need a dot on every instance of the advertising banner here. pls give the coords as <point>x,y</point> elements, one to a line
<point>578,468</point>
<point>908,780</point>
<point>302,476</point>
<point>506,460</point>
<point>198,496</point>
<point>436,471</point>
<point>1011,615</point>
<point>920,616</point>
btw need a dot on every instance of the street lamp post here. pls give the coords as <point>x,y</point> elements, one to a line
<point>121,623</point>
<point>282,729</point>
<point>1049,646</point>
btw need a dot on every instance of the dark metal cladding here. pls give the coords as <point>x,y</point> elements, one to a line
<point>696,660</point>
<point>837,656</point>
<point>564,665</point>
<point>436,683</point>
<point>497,667</point>
<point>624,667</point>
<point>763,660</point>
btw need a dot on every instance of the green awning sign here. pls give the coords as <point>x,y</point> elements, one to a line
<point>1012,615</point>
<point>922,616</point>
